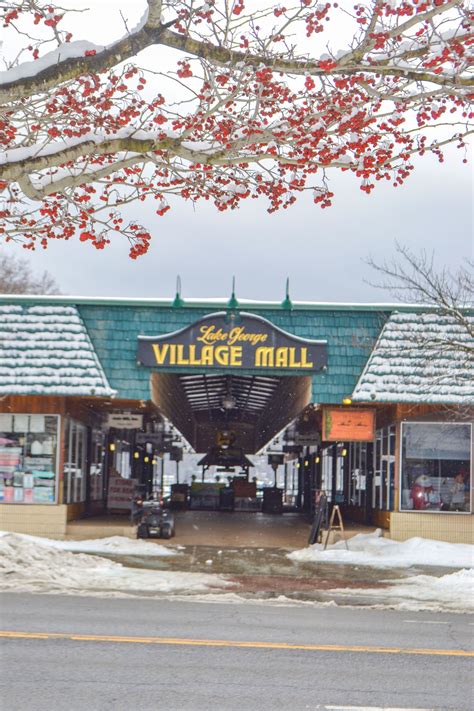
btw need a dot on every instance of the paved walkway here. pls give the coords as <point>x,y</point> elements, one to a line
<point>226,529</point>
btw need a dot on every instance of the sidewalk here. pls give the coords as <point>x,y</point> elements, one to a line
<point>216,528</point>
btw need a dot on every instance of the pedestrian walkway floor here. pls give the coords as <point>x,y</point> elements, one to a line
<point>214,528</point>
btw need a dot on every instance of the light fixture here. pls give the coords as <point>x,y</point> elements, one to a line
<point>318,460</point>
<point>306,463</point>
<point>347,401</point>
<point>228,401</point>
<point>112,447</point>
<point>146,459</point>
<point>344,452</point>
<point>136,455</point>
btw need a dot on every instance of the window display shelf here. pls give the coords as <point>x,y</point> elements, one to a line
<point>28,468</point>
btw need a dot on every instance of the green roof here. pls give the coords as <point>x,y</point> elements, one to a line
<point>113,328</point>
<point>101,357</point>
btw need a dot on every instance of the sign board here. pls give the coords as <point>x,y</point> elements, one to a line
<point>348,425</point>
<point>176,454</point>
<point>124,421</point>
<point>307,439</point>
<point>157,439</point>
<point>307,428</point>
<point>292,449</point>
<point>120,492</point>
<point>223,341</point>
<point>275,459</point>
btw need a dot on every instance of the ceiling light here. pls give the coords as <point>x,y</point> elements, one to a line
<point>229,402</point>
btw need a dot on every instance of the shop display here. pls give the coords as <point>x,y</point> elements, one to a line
<point>28,459</point>
<point>205,495</point>
<point>436,461</point>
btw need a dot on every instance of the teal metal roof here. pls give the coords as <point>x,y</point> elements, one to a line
<point>425,358</point>
<point>108,331</point>
<point>113,328</point>
<point>45,350</point>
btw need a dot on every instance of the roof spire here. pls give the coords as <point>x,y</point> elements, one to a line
<point>287,302</point>
<point>233,303</point>
<point>178,301</point>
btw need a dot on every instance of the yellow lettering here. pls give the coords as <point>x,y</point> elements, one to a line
<point>293,363</point>
<point>259,338</point>
<point>181,360</point>
<point>207,355</point>
<point>210,335</point>
<point>264,357</point>
<point>222,355</point>
<point>172,354</point>
<point>304,361</point>
<point>281,358</point>
<point>235,335</point>
<point>192,356</point>
<point>160,352</point>
<point>236,355</point>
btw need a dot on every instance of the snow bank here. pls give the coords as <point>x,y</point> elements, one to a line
<point>28,565</point>
<point>373,550</point>
<point>114,545</point>
<point>450,593</point>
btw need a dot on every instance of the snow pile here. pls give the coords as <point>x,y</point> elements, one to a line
<point>450,593</point>
<point>373,550</point>
<point>30,566</point>
<point>114,545</point>
<point>117,545</point>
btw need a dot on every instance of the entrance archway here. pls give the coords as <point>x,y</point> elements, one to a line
<point>255,407</point>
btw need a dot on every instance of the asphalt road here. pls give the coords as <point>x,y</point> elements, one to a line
<point>125,654</point>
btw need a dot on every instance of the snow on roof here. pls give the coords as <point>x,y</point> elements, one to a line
<point>46,350</point>
<point>420,358</point>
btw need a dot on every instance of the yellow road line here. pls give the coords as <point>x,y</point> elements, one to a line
<point>178,641</point>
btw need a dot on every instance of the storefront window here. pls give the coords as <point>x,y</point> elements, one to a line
<point>97,466</point>
<point>328,472</point>
<point>75,463</point>
<point>358,462</point>
<point>28,458</point>
<point>384,468</point>
<point>435,466</point>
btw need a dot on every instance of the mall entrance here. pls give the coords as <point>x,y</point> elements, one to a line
<point>229,384</point>
<point>231,421</point>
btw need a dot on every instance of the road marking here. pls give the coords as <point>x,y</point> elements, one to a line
<point>373,708</point>
<point>425,622</point>
<point>178,641</point>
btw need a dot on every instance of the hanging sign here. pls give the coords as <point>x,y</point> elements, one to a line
<point>307,431</point>
<point>157,439</point>
<point>124,421</point>
<point>223,341</point>
<point>348,425</point>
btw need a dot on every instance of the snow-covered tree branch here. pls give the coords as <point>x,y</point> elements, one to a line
<point>241,100</point>
<point>414,279</point>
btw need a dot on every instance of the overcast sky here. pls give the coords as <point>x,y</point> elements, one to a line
<point>322,251</point>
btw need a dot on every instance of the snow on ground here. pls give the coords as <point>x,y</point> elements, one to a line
<point>450,593</point>
<point>32,566</point>
<point>373,550</point>
<point>114,545</point>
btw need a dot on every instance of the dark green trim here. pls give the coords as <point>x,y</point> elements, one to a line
<point>211,304</point>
